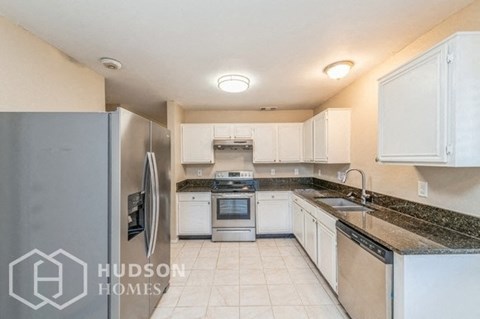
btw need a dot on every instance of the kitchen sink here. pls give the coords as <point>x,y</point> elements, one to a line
<point>343,204</point>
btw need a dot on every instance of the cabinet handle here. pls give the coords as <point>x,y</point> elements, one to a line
<point>273,196</point>
<point>208,203</point>
<point>376,159</point>
<point>258,203</point>
<point>193,197</point>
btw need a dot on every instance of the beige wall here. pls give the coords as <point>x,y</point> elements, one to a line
<point>247,116</point>
<point>174,119</point>
<point>34,76</point>
<point>451,188</point>
<point>242,160</point>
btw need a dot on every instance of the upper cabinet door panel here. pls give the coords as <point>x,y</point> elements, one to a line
<point>320,152</point>
<point>429,107</point>
<point>197,143</point>
<point>308,141</point>
<point>222,131</point>
<point>290,143</point>
<point>242,131</point>
<point>265,139</point>
<point>412,110</point>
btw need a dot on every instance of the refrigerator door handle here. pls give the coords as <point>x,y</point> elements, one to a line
<point>156,212</point>
<point>150,223</point>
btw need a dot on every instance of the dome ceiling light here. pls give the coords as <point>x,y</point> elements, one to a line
<point>233,83</point>
<point>338,69</point>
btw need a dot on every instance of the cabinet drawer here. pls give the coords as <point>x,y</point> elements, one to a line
<point>194,196</point>
<point>272,195</point>
<point>326,219</point>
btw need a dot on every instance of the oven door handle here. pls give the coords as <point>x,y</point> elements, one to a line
<point>234,195</point>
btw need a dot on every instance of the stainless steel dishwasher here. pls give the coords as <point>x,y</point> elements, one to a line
<point>365,275</point>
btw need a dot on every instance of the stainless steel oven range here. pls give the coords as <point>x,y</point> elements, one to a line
<point>233,206</point>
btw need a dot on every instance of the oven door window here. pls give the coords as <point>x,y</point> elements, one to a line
<point>233,208</point>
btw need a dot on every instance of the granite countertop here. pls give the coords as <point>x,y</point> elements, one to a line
<point>406,234</point>
<point>399,232</point>
<point>194,189</point>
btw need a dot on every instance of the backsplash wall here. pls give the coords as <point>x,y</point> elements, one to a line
<point>242,160</point>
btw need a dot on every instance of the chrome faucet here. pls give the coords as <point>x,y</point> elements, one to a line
<point>364,195</point>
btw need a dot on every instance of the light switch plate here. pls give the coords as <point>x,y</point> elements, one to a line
<point>199,172</point>
<point>272,171</point>
<point>319,172</point>
<point>295,171</point>
<point>340,175</point>
<point>422,189</point>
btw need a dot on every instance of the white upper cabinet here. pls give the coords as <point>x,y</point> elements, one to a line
<point>308,141</point>
<point>265,143</point>
<point>277,143</point>
<point>227,131</point>
<point>196,143</point>
<point>429,108</point>
<point>331,136</point>
<point>290,137</point>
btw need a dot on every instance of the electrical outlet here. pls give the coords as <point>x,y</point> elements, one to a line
<point>199,172</point>
<point>319,172</point>
<point>295,171</point>
<point>422,189</point>
<point>340,175</point>
<point>272,171</point>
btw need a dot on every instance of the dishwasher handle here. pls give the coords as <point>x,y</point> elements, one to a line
<point>383,254</point>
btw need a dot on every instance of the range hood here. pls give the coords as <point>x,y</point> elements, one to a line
<point>235,144</point>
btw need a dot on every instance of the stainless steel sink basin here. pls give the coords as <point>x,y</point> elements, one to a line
<point>343,204</point>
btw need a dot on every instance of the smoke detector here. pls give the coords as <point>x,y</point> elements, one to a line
<point>111,64</point>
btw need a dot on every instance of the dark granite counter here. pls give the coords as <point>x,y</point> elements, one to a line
<point>405,227</point>
<point>399,232</point>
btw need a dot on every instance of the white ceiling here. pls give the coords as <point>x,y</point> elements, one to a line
<point>176,49</point>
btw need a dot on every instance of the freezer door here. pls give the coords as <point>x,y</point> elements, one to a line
<point>130,144</point>
<point>161,255</point>
<point>53,195</point>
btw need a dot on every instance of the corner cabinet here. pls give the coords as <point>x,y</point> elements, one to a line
<point>308,141</point>
<point>273,213</point>
<point>331,136</point>
<point>196,145</point>
<point>194,214</point>
<point>429,108</point>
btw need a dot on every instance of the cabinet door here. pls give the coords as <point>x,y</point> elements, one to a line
<point>222,131</point>
<point>197,143</point>
<point>242,131</point>
<point>289,141</point>
<point>273,217</point>
<point>311,237</point>
<point>412,111</point>
<point>265,140</point>
<point>298,223</point>
<point>327,254</point>
<point>194,218</point>
<point>308,141</point>
<point>320,133</point>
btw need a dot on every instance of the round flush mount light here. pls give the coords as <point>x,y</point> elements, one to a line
<point>338,69</point>
<point>111,64</point>
<point>233,83</point>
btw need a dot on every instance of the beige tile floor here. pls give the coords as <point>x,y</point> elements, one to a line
<point>270,278</point>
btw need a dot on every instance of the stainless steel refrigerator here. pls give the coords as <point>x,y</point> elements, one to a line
<point>83,196</point>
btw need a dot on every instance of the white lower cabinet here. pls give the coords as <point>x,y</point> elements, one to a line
<point>273,213</point>
<point>298,223</point>
<point>327,254</point>
<point>194,214</point>
<point>311,236</point>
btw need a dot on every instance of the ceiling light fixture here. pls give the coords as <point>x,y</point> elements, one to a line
<point>233,83</point>
<point>111,64</point>
<point>338,69</point>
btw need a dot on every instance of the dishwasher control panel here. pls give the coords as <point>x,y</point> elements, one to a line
<point>370,245</point>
